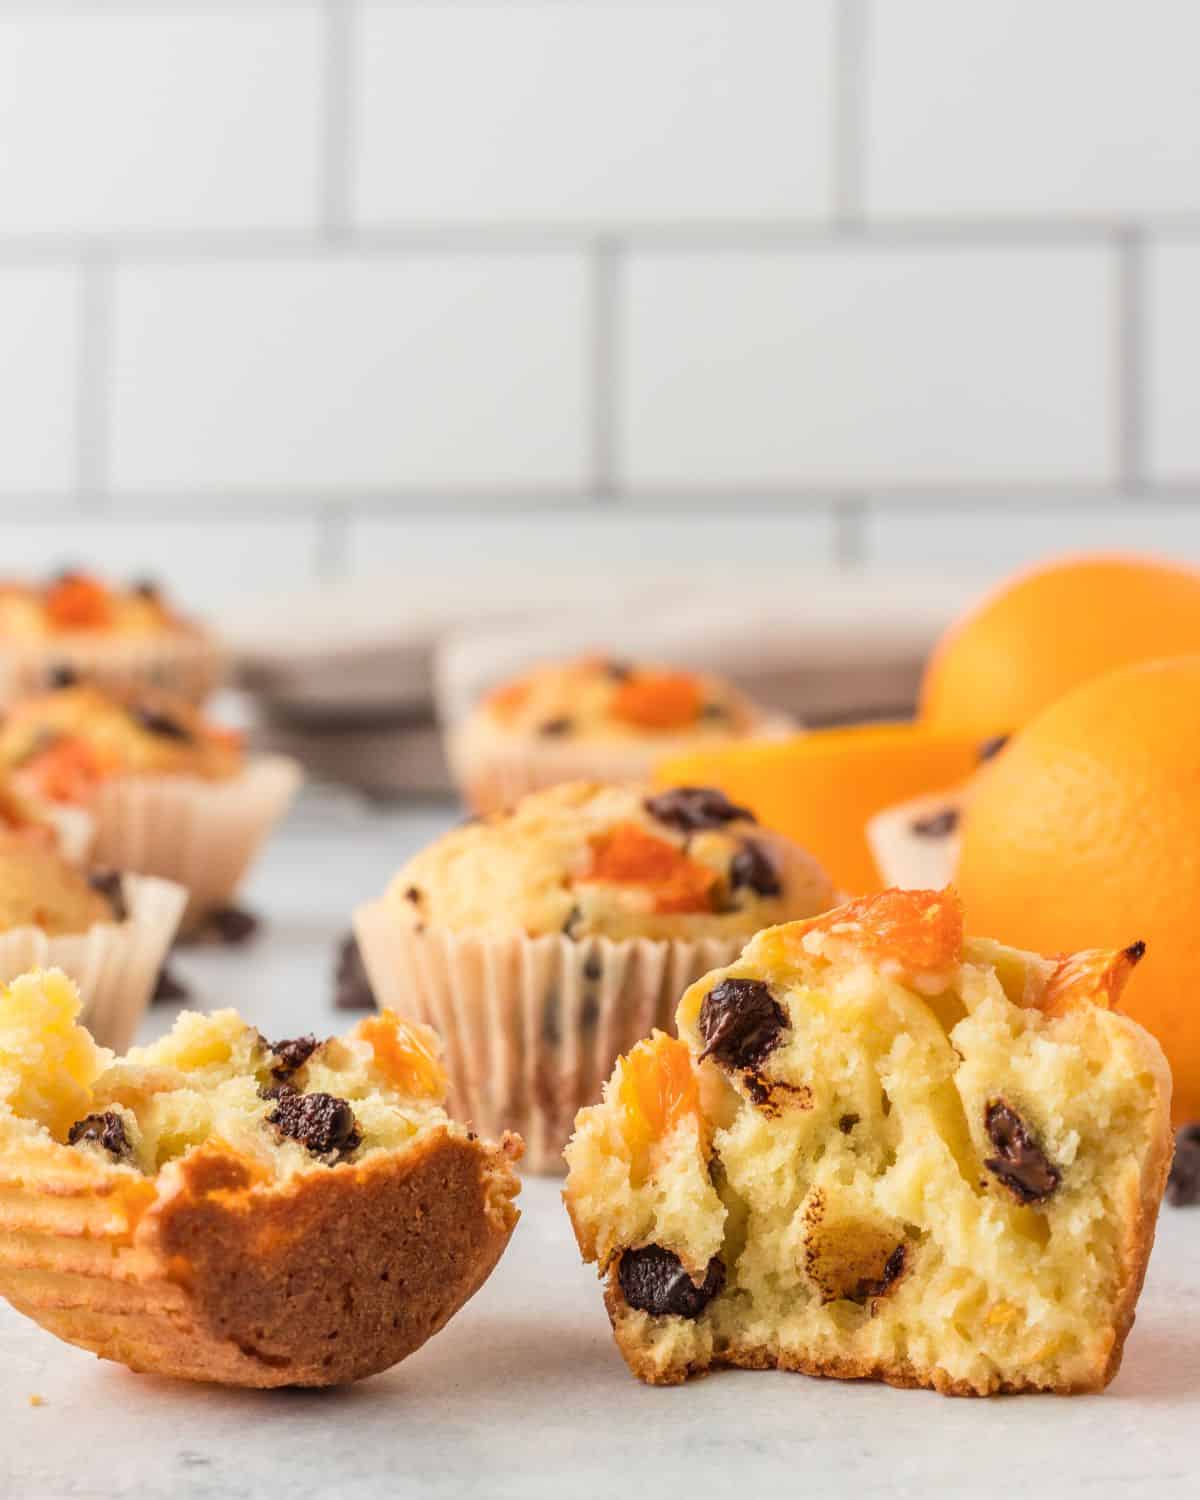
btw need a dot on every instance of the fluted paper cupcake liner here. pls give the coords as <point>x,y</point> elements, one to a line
<point>201,834</point>
<point>531,1026</point>
<point>188,664</point>
<point>115,964</point>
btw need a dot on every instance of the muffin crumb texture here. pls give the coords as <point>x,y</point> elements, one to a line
<point>880,1150</point>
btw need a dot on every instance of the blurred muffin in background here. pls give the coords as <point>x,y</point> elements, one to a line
<point>170,793</point>
<point>594,718</point>
<point>118,636</point>
<point>544,941</point>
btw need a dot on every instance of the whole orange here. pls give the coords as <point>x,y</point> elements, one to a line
<point>1052,628</point>
<point>1085,833</point>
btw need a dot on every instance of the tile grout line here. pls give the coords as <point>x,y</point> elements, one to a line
<point>849,115</point>
<point>336,144</point>
<point>603,368</point>
<point>93,409</point>
<point>1131,334</point>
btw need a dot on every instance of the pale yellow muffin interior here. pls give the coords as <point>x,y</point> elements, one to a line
<point>283,1109</point>
<point>39,888</point>
<point>616,861</point>
<point>905,1156</point>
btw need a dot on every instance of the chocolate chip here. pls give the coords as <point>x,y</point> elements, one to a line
<point>107,1130</point>
<point>992,746</point>
<point>871,1287</point>
<point>168,988</point>
<point>714,711</point>
<point>619,671</point>
<point>741,1022</point>
<point>292,1054</point>
<point>752,866</point>
<point>1183,1185</point>
<point>62,675</point>
<point>938,825</point>
<point>654,1281</point>
<point>847,1123</point>
<point>1021,1166</point>
<point>231,925</point>
<point>692,808</point>
<point>555,728</point>
<point>108,884</point>
<point>145,588</point>
<point>351,986</point>
<point>155,721</point>
<point>413,894</point>
<point>322,1124</point>
<point>574,917</point>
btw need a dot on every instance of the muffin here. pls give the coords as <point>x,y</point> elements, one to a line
<point>880,1151</point>
<point>170,794</point>
<point>109,932</point>
<point>593,719</point>
<point>217,1207</point>
<point>544,941</point>
<point>121,637</point>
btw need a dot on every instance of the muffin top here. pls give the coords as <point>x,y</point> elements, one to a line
<point>61,744</point>
<point>589,860</point>
<point>76,603</point>
<point>599,697</point>
<point>39,888</point>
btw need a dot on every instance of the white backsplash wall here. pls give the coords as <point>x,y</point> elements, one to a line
<point>292,287</point>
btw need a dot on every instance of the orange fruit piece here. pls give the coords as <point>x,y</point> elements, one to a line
<point>76,602</point>
<point>1086,833</point>
<point>658,1090</point>
<point>1094,977</point>
<point>821,788</point>
<point>1052,628</point>
<point>658,700</point>
<point>70,769</point>
<point>628,855</point>
<point>920,932</point>
<point>404,1055</point>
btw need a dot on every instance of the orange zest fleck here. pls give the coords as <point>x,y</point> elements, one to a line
<point>628,855</point>
<point>920,931</point>
<point>77,602</point>
<point>70,769</point>
<point>405,1054</point>
<point>1095,976</point>
<point>658,700</point>
<point>657,1092</point>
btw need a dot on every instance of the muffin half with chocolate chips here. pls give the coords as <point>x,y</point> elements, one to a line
<point>169,792</point>
<point>216,1207</point>
<point>544,941</point>
<point>879,1150</point>
<point>598,719</point>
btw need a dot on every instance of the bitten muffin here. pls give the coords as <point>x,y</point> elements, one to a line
<point>597,719</point>
<point>542,941</point>
<point>220,1207</point>
<point>170,793</point>
<point>123,637</point>
<point>878,1150</point>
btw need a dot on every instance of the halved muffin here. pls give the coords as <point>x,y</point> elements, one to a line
<point>218,1207</point>
<point>879,1150</point>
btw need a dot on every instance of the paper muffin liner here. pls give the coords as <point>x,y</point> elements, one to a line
<point>494,772</point>
<point>531,1026</point>
<point>190,664</point>
<point>200,834</point>
<point>115,964</point>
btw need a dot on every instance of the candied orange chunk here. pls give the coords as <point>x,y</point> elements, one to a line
<point>404,1054</point>
<point>70,769</point>
<point>658,700</point>
<point>919,931</point>
<point>628,855</point>
<point>1094,977</point>
<point>77,602</point>
<point>507,700</point>
<point>658,1091</point>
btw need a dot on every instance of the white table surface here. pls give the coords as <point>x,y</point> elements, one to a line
<point>523,1394</point>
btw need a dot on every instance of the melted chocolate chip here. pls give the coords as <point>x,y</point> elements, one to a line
<point>168,987</point>
<point>145,588</point>
<point>574,917</point>
<point>992,746</point>
<point>1183,1185</point>
<point>654,1281</point>
<point>292,1054</point>
<point>893,1269</point>
<point>413,894</point>
<point>61,675</point>
<point>1022,1166</point>
<point>847,1123</point>
<point>752,866</point>
<point>322,1124</point>
<point>351,986</point>
<point>108,884</point>
<point>107,1130</point>
<point>937,825</point>
<point>693,808</point>
<point>619,671</point>
<point>741,1023</point>
<point>554,728</point>
<point>155,721</point>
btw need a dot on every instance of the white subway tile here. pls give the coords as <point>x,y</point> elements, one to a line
<point>204,563</point>
<point>39,337</point>
<point>1016,107</point>
<point>139,121</point>
<point>349,373</point>
<point>867,366</point>
<point>1172,391</point>
<point>593,112</point>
